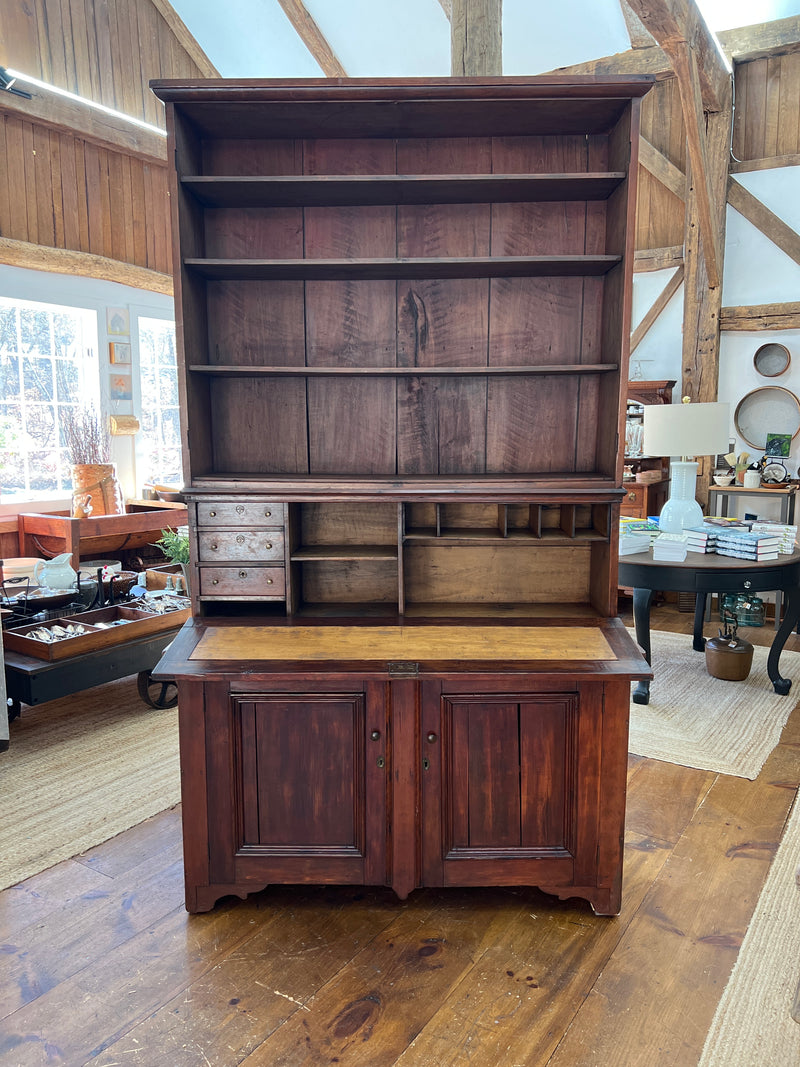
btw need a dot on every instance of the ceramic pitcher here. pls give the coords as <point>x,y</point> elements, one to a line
<point>55,573</point>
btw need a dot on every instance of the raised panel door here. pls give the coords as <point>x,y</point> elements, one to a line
<point>312,780</point>
<point>498,800</point>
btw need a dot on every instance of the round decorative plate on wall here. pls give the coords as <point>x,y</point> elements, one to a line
<point>772,359</point>
<point>771,409</point>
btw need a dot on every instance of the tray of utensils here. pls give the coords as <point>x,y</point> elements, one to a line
<point>88,631</point>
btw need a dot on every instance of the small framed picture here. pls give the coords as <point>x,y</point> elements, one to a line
<point>778,444</point>
<point>118,322</point>
<point>121,387</point>
<point>119,351</point>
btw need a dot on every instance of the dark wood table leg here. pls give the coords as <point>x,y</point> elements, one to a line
<point>698,641</point>
<point>642,598</point>
<point>791,616</point>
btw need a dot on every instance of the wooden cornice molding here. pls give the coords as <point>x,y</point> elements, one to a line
<point>661,301</point>
<point>185,39</point>
<point>83,264</point>
<point>770,224</point>
<point>313,38</point>
<point>649,259</point>
<point>679,28</point>
<point>662,169</point>
<point>82,120</point>
<point>761,317</point>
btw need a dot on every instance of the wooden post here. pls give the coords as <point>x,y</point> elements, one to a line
<point>702,303</point>
<point>476,38</point>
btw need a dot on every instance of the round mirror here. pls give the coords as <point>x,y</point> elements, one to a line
<point>772,359</point>
<point>771,409</point>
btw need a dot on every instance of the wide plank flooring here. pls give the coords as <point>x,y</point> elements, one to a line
<point>103,966</point>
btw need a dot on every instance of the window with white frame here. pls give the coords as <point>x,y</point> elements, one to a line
<point>48,365</point>
<point>158,445</point>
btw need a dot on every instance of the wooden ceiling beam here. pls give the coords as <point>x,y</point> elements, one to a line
<point>739,45</point>
<point>476,38</point>
<point>90,123</point>
<point>765,39</point>
<point>82,264</point>
<point>678,27</point>
<point>658,305</point>
<point>313,38</point>
<point>185,39</point>
<point>767,222</point>
<point>761,317</point>
<point>637,34</point>
<point>664,171</point>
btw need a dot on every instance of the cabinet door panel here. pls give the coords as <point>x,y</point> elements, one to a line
<point>305,777</point>
<point>498,787</point>
<point>508,765</point>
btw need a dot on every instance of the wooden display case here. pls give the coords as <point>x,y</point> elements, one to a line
<point>403,310</point>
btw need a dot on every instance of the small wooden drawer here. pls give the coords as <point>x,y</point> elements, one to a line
<point>248,582</point>
<point>254,513</point>
<point>634,495</point>
<point>256,546</point>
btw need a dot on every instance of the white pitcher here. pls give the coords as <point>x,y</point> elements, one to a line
<point>55,573</point>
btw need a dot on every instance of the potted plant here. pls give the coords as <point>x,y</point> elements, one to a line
<point>175,546</point>
<point>95,488</point>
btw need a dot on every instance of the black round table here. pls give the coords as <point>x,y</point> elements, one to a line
<point>702,574</point>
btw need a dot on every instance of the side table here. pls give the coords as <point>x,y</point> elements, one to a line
<point>724,494</point>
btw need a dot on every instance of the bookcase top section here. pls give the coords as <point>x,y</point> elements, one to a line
<point>412,107</point>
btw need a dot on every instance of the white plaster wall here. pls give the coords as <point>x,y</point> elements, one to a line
<point>658,354</point>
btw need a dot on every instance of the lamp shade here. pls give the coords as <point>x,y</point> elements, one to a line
<point>686,429</point>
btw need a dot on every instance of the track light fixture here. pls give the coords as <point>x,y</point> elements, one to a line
<point>7,83</point>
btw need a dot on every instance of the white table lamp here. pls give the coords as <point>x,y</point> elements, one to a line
<point>684,430</point>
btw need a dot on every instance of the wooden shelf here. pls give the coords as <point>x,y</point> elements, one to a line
<point>513,539</point>
<point>341,553</point>
<point>370,189</point>
<point>544,488</point>
<point>391,269</point>
<point>228,370</point>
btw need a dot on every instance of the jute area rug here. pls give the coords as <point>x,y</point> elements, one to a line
<point>79,771</point>
<point>696,720</point>
<point>753,1025</point>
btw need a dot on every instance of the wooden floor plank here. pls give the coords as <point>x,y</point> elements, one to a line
<point>42,898</point>
<point>140,844</point>
<point>656,997</point>
<point>370,1012</point>
<point>295,941</point>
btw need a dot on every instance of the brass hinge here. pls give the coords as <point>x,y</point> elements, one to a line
<point>402,670</point>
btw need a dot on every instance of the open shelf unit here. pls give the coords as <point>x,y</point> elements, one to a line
<point>403,313</point>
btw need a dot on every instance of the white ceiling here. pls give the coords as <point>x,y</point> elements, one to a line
<point>407,38</point>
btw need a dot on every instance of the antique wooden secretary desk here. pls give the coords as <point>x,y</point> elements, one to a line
<point>403,309</point>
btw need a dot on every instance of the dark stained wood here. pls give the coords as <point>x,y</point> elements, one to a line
<point>442,424</point>
<point>408,325</point>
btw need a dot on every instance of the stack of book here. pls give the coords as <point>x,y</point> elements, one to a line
<point>670,546</point>
<point>630,543</point>
<point>703,538</point>
<point>639,526</point>
<point>786,532</point>
<point>744,544</point>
